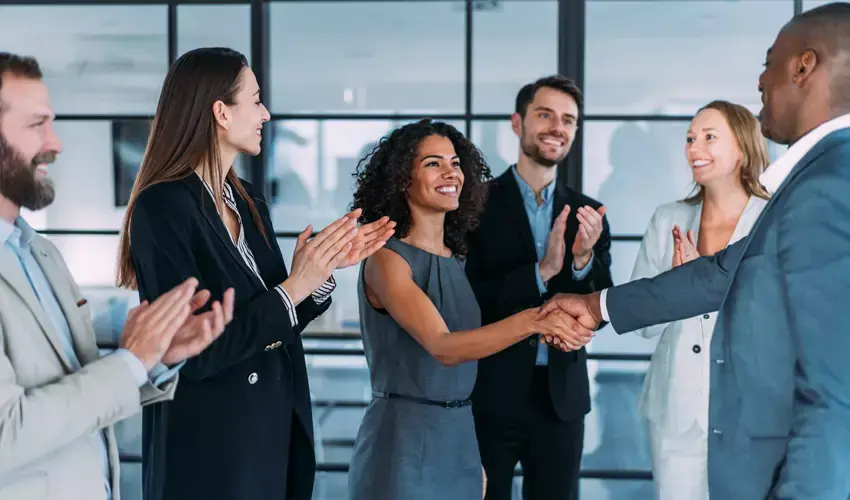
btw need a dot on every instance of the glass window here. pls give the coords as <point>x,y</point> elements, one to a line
<point>498,142</point>
<point>214,26</point>
<point>91,259</point>
<point>616,489</point>
<point>131,481</point>
<point>311,168</point>
<point>513,43</point>
<point>367,57</point>
<point>633,167</point>
<point>643,57</point>
<point>96,59</point>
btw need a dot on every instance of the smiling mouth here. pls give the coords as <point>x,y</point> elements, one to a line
<point>549,141</point>
<point>701,163</point>
<point>448,190</point>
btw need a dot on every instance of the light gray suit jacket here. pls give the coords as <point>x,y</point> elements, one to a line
<point>779,412</point>
<point>49,415</point>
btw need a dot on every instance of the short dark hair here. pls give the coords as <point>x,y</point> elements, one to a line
<point>830,25</point>
<point>22,66</point>
<point>557,82</point>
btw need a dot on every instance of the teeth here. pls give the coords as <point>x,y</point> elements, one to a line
<point>552,142</point>
<point>701,163</point>
<point>447,189</point>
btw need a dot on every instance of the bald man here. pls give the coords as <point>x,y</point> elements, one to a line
<point>779,417</point>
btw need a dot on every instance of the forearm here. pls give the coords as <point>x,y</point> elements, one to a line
<point>35,423</point>
<point>458,347</point>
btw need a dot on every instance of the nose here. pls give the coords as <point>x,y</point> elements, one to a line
<point>52,141</point>
<point>266,115</point>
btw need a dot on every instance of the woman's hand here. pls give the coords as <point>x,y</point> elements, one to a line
<point>561,330</point>
<point>370,238</point>
<point>316,258</point>
<point>684,247</point>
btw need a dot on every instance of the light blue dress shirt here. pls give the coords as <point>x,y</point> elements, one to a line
<point>17,239</point>
<point>540,219</point>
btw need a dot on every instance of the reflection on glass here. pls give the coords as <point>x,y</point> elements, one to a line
<point>214,26</point>
<point>513,43</point>
<point>632,167</point>
<point>107,59</point>
<point>374,57</point>
<point>312,163</point>
<point>700,50</point>
<point>498,142</point>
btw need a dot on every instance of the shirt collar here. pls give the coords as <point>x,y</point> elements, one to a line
<point>528,193</point>
<point>775,174</point>
<point>21,227</point>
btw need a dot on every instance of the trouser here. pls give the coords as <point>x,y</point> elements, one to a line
<point>679,463</point>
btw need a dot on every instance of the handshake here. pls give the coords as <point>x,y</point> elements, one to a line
<point>568,321</point>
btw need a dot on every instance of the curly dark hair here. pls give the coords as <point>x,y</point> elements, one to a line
<point>383,177</point>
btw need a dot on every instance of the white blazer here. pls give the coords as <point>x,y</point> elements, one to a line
<point>675,391</point>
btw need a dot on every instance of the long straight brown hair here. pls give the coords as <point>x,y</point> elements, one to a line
<point>184,136</point>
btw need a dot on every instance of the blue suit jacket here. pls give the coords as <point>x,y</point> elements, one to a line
<point>779,414</point>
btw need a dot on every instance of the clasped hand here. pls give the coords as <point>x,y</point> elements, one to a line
<point>569,321</point>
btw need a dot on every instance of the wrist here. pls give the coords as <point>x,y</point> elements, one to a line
<point>594,306</point>
<point>296,292</point>
<point>580,260</point>
<point>546,274</point>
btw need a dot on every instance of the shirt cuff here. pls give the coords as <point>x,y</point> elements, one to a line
<point>580,274</point>
<point>288,304</point>
<point>135,364</point>
<point>161,374</point>
<point>541,286</point>
<point>603,306</point>
<point>324,292</point>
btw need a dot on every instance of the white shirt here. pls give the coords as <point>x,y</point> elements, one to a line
<point>775,174</point>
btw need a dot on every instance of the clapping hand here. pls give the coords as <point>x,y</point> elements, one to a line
<point>589,230</point>
<point>684,247</point>
<point>200,330</point>
<point>369,239</point>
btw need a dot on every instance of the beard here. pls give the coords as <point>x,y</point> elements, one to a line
<point>532,150</point>
<point>18,183</point>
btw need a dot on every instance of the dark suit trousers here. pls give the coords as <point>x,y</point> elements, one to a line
<point>548,448</point>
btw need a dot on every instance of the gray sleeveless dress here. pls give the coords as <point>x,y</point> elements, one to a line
<point>407,450</point>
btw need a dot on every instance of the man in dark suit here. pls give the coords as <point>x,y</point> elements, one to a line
<point>780,385</point>
<point>530,400</point>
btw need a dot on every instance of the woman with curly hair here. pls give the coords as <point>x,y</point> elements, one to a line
<point>421,324</point>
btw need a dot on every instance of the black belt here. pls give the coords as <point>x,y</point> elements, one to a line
<point>459,403</point>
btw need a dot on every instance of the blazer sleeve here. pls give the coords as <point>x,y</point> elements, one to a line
<point>648,264</point>
<point>36,423</point>
<point>813,238</point>
<point>697,287</point>
<point>161,231</point>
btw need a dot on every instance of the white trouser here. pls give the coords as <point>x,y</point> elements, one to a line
<point>679,463</point>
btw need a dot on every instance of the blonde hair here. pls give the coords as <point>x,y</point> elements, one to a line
<point>754,158</point>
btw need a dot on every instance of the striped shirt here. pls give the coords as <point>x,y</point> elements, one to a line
<point>319,296</point>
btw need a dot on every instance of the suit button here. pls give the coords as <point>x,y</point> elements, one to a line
<point>717,432</point>
<point>533,342</point>
<point>268,348</point>
<point>696,349</point>
<point>252,378</point>
<point>719,361</point>
<point>705,316</point>
<point>277,344</point>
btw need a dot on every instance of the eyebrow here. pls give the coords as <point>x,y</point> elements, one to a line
<point>546,108</point>
<point>257,92</point>
<point>438,157</point>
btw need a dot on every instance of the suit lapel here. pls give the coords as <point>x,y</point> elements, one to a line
<point>514,212</point>
<point>85,346</point>
<point>214,220</point>
<point>12,272</point>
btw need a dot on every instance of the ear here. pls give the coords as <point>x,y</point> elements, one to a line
<point>516,124</point>
<point>221,113</point>
<point>805,66</point>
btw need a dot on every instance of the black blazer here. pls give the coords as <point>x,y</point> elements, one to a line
<point>240,425</point>
<point>500,266</point>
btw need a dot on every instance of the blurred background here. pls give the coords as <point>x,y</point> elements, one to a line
<point>336,76</point>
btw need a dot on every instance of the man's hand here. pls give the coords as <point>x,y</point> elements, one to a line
<point>562,330</point>
<point>556,248</point>
<point>370,238</point>
<point>589,231</point>
<point>200,330</point>
<point>150,328</point>
<point>584,309</point>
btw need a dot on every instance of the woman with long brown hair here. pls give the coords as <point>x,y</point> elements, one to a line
<point>240,424</point>
<point>726,154</point>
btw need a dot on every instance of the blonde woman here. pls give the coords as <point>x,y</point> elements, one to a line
<point>726,153</point>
